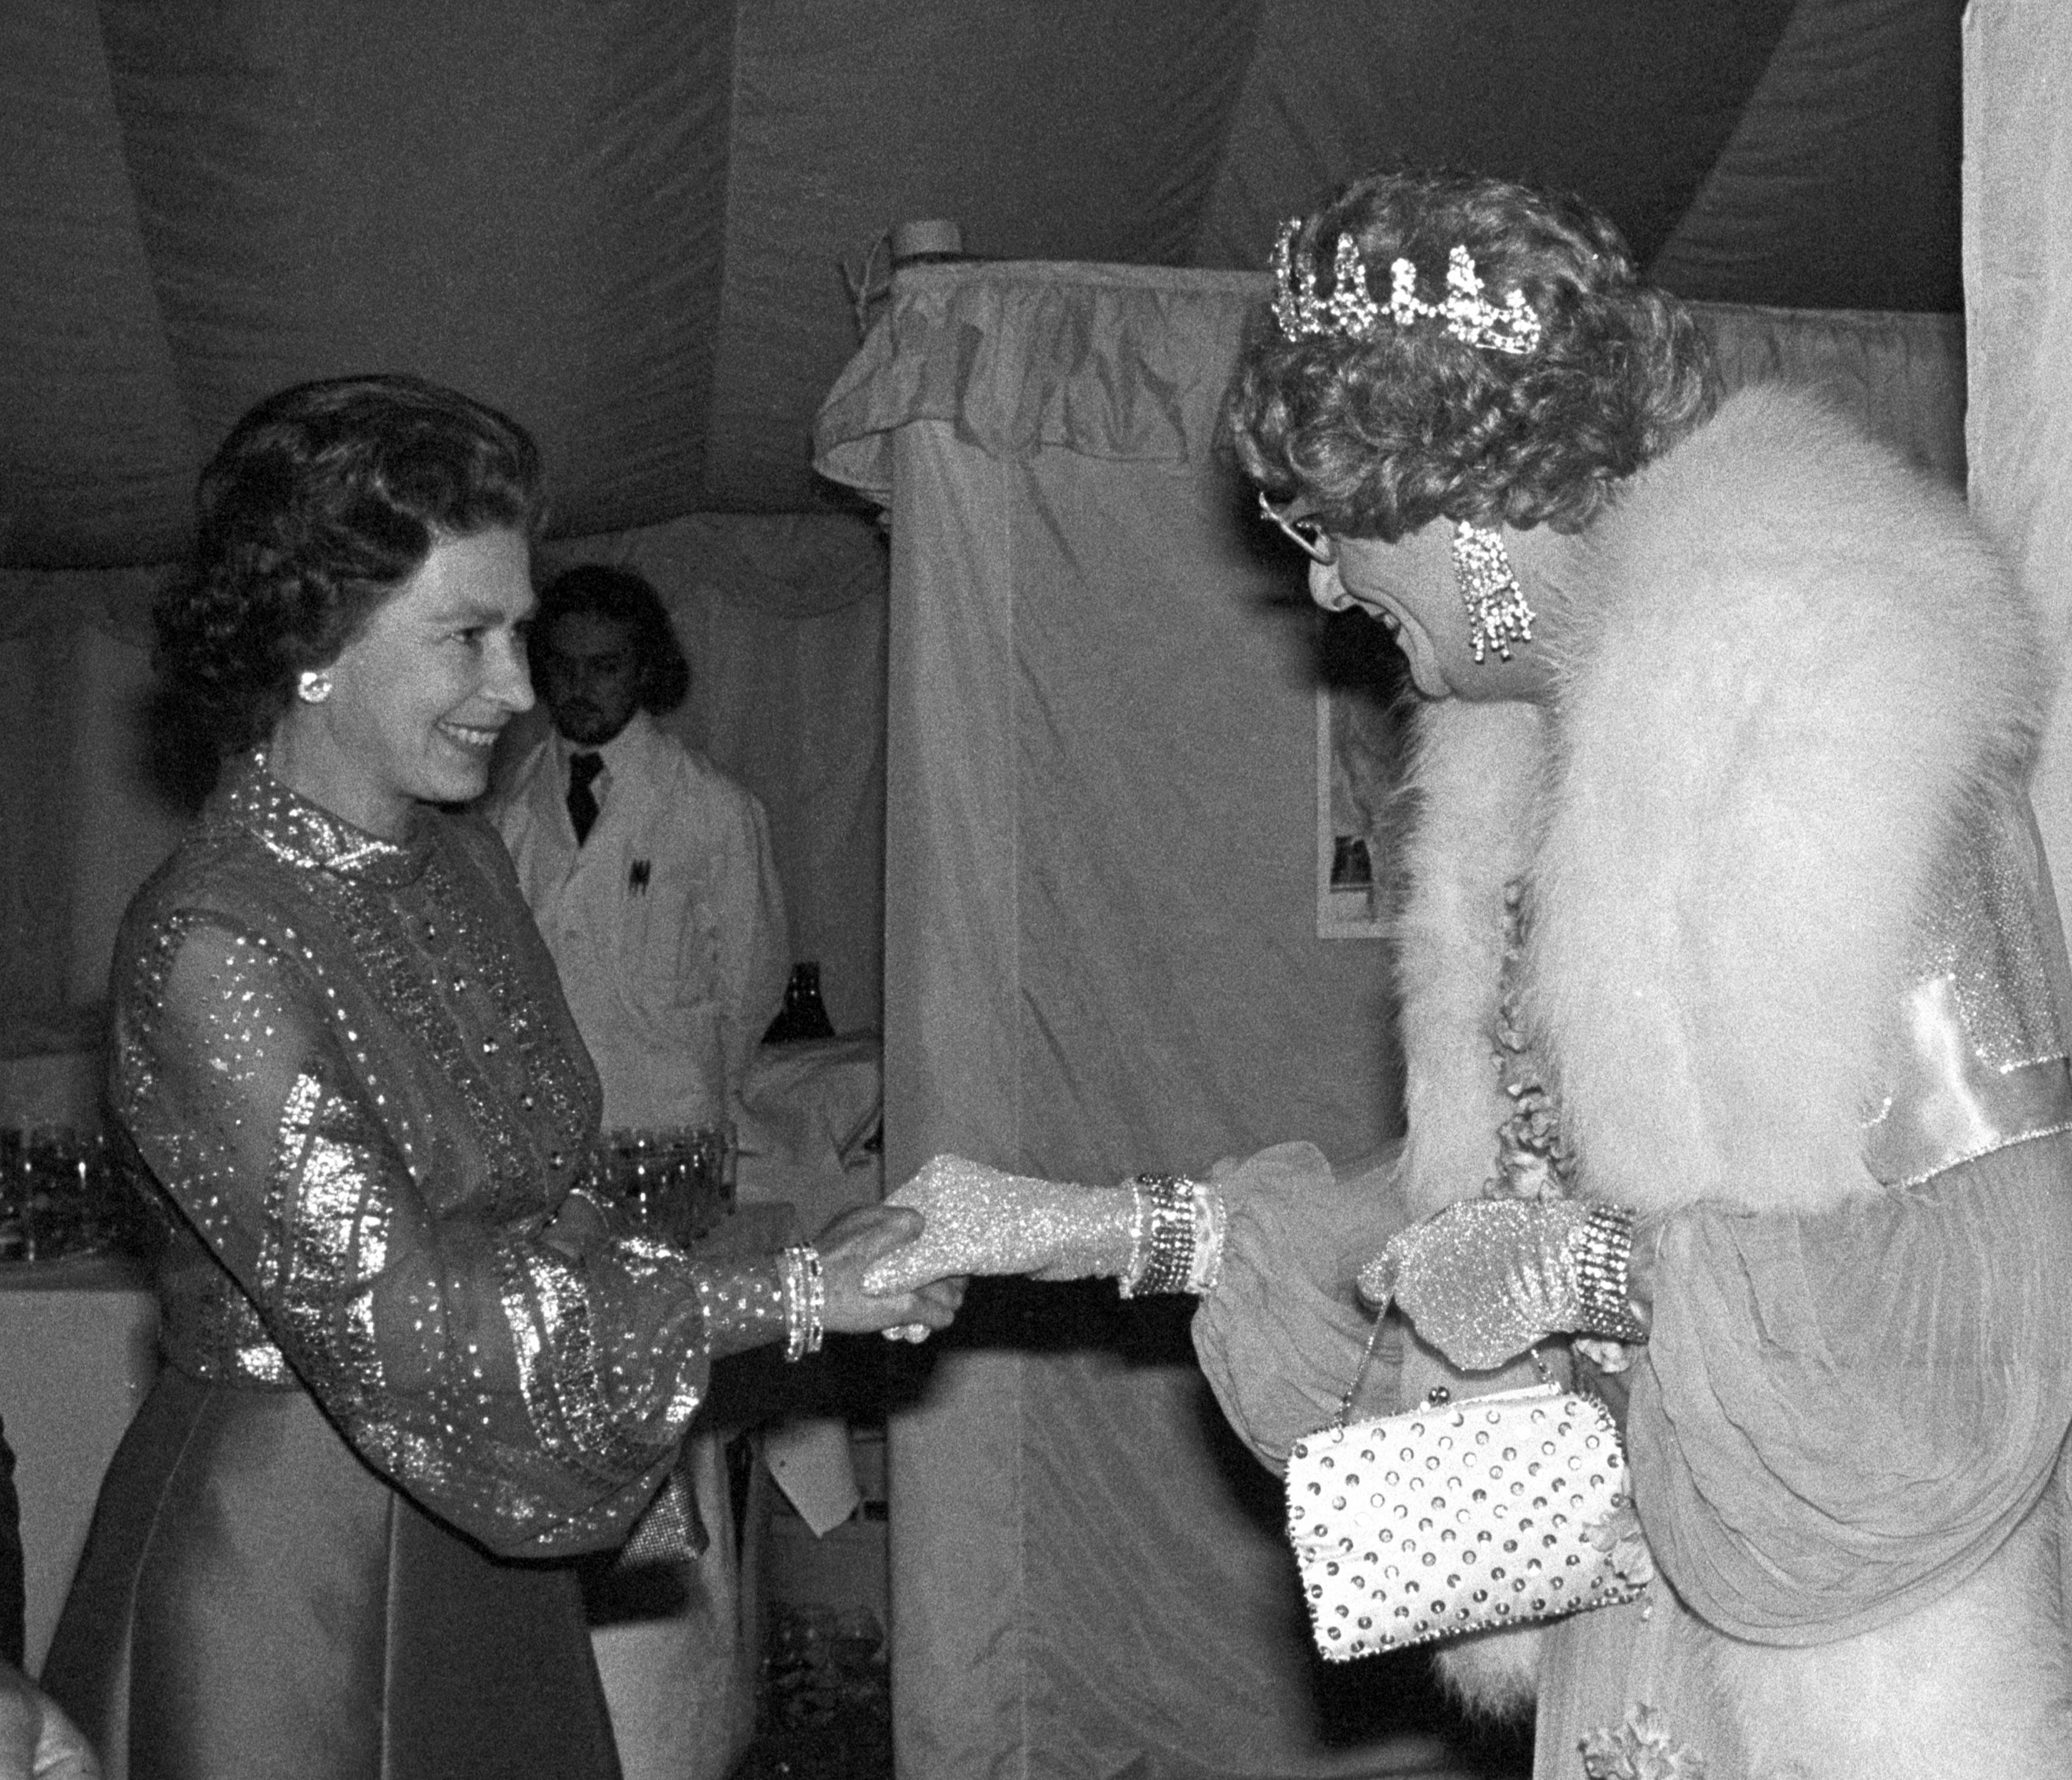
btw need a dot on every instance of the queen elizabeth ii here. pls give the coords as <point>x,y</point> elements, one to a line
<point>415,1356</point>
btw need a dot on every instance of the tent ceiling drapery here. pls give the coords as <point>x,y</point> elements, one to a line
<point>624,221</point>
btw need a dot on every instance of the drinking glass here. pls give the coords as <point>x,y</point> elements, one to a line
<point>675,1182</point>
<point>60,1181</point>
<point>17,1230</point>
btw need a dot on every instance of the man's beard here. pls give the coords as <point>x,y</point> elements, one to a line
<point>587,726</point>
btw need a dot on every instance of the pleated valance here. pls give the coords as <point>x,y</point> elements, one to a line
<point>1122,363</point>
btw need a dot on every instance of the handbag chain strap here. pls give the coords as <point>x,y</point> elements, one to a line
<point>1432,1400</point>
<point>1359,1376</point>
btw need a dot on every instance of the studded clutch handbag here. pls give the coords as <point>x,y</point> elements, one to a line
<point>1461,1516</point>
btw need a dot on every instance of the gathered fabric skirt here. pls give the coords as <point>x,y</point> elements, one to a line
<point>255,1601</point>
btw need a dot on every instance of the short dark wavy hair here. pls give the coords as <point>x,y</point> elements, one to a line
<point>323,500</point>
<point>1382,435</point>
<point>627,597</point>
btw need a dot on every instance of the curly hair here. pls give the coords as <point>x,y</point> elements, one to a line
<point>1381,435</point>
<point>323,500</point>
<point>626,598</point>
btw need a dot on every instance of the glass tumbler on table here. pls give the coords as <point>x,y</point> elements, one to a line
<point>676,1181</point>
<point>58,1193</point>
<point>17,1228</point>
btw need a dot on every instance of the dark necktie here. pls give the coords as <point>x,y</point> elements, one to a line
<point>583,769</point>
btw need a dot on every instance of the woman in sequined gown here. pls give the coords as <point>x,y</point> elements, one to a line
<point>1734,1000</point>
<point>409,1366</point>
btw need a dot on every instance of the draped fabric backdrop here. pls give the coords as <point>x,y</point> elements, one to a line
<point>621,221</point>
<point>2018,301</point>
<point>1100,956</point>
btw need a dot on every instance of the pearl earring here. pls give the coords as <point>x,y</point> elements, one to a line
<point>313,688</point>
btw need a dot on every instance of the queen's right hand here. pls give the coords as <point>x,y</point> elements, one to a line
<point>853,1246</point>
<point>980,1220</point>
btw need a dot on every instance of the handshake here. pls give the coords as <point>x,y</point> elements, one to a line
<point>1481,1280</point>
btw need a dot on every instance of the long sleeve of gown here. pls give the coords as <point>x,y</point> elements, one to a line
<point>368,1103</point>
<point>1282,1334</point>
<point>1837,1418</point>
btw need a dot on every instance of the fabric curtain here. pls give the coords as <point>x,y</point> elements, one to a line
<point>1901,376</point>
<point>2018,297</point>
<point>628,222</point>
<point>203,203</point>
<point>1102,955</point>
<point>1802,203</point>
<point>86,814</point>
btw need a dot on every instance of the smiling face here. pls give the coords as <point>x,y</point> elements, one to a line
<point>419,696</point>
<point>1410,585</point>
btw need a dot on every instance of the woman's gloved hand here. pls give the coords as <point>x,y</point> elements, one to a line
<point>1484,1280</point>
<point>978,1220</point>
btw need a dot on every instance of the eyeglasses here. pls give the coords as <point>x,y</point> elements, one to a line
<point>1314,541</point>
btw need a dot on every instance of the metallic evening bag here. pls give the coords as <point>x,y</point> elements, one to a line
<point>1462,1516</point>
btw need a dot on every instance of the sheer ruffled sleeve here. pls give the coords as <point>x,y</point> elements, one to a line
<point>527,1382</point>
<point>1838,1418</point>
<point>1282,1332</point>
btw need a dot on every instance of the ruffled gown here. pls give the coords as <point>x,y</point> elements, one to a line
<point>1847,1431</point>
<point>1790,974</point>
<point>408,1370</point>
<point>1842,1486</point>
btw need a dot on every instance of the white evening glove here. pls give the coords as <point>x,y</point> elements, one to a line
<point>978,1220</point>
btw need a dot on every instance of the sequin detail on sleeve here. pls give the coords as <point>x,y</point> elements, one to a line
<point>326,1233</point>
<point>743,1305</point>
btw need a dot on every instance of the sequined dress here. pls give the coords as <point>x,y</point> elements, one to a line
<point>407,1367</point>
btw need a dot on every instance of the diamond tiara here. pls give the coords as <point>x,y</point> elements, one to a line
<point>1350,311</point>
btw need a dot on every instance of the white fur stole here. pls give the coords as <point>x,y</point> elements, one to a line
<point>1796,661</point>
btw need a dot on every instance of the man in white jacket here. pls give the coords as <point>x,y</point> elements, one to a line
<point>663,916</point>
<point>650,873</point>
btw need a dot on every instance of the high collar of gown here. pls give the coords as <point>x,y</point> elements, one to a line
<point>308,836</point>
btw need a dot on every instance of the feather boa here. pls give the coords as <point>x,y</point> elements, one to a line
<point>1795,662</point>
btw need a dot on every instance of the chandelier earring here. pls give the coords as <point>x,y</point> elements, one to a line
<point>1498,614</point>
<point>313,687</point>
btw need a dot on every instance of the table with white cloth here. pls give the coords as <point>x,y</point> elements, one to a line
<point>80,1338</point>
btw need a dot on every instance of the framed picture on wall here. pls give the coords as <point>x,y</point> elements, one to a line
<point>1349,839</point>
<point>1359,744</point>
